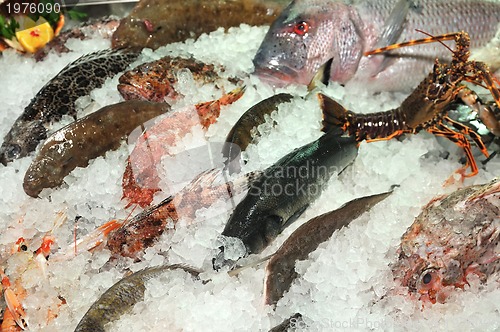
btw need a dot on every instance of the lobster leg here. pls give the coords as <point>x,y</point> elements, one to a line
<point>471,133</point>
<point>460,140</point>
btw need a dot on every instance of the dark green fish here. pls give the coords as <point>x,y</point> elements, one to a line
<point>284,191</point>
<point>280,270</point>
<point>121,297</point>
<point>57,98</point>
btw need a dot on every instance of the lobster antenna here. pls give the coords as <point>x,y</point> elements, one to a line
<point>438,40</point>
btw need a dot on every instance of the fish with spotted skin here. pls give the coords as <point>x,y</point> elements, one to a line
<point>455,236</point>
<point>57,98</point>
<point>309,32</point>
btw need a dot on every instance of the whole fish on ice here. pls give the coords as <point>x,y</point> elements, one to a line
<point>122,296</point>
<point>280,270</point>
<point>57,98</point>
<point>455,235</point>
<point>310,32</point>
<point>154,81</point>
<point>282,194</point>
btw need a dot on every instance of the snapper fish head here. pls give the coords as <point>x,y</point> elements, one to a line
<point>298,43</point>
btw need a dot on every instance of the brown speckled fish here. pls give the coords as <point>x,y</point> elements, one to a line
<point>154,23</point>
<point>57,98</point>
<point>455,235</point>
<point>85,139</point>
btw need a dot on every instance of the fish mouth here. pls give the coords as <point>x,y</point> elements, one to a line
<point>277,76</point>
<point>130,92</point>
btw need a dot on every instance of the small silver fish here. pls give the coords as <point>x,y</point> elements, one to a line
<point>121,297</point>
<point>309,32</point>
<point>280,270</point>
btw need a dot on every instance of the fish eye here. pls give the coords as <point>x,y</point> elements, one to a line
<point>301,28</point>
<point>427,278</point>
<point>13,151</point>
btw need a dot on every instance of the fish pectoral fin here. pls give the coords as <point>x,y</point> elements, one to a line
<point>322,76</point>
<point>273,226</point>
<point>294,217</point>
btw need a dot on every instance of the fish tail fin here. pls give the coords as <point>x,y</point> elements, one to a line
<point>209,111</point>
<point>334,114</point>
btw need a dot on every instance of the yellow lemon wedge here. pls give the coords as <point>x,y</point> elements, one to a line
<point>36,37</point>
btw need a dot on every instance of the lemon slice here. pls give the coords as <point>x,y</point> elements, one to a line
<point>36,37</point>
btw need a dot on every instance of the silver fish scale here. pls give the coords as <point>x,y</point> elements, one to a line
<point>479,18</point>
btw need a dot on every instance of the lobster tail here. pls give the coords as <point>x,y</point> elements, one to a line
<point>334,114</point>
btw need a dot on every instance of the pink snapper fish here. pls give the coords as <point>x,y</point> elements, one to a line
<point>309,33</point>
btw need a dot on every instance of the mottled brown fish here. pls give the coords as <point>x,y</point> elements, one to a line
<point>85,139</point>
<point>280,270</point>
<point>154,81</point>
<point>57,98</point>
<point>154,23</point>
<point>122,296</point>
<point>455,236</point>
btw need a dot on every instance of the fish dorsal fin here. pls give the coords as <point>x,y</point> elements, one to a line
<point>393,27</point>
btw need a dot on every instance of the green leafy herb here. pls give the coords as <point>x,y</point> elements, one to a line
<point>76,15</point>
<point>8,28</point>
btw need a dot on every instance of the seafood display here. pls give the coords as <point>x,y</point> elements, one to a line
<point>282,194</point>
<point>455,236</point>
<point>426,107</point>
<point>112,263</point>
<point>310,32</point>
<point>121,297</point>
<point>57,98</point>
<point>154,23</point>
<point>280,270</point>
<point>85,139</point>
<point>140,180</point>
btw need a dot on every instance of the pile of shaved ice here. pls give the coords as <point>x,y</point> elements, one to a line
<point>340,286</point>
